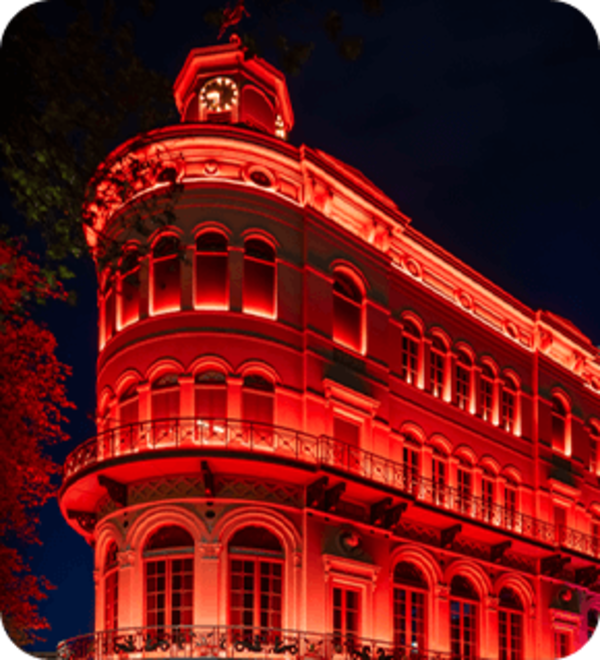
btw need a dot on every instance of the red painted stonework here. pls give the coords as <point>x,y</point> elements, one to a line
<point>320,434</point>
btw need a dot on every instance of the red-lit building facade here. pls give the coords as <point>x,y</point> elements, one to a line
<point>319,434</point>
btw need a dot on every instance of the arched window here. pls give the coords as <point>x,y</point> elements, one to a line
<point>255,583</point>
<point>509,405</point>
<point>464,366</point>
<point>411,342</point>
<point>410,461</point>
<point>510,504</point>
<point>487,495</point>
<point>410,609</point>
<point>111,588</point>
<point>594,447</point>
<point>166,275</point>
<point>510,625</point>
<point>212,271</point>
<point>486,393</point>
<point>169,578</point>
<point>559,425</point>
<point>258,407</point>
<point>109,307</point>
<point>165,407</point>
<point>128,406</point>
<point>463,619</point>
<point>464,492</point>
<point>259,278</point>
<point>210,403</point>
<point>347,312</point>
<point>129,309</point>
<point>437,367</point>
<point>439,477</point>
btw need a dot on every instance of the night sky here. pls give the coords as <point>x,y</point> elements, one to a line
<point>479,118</point>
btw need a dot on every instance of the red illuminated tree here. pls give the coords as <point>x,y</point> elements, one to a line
<point>32,398</point>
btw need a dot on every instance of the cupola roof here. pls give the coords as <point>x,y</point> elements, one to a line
<point>223,84</point>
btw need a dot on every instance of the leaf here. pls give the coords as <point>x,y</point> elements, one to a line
<point>350,48</point>
<point>333,24</point>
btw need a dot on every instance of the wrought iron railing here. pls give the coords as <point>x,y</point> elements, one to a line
<point>235,642</point>
<point>283,443</point>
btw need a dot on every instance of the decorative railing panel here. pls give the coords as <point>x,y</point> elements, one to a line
<point>284,443</point>
<point>234,642</point>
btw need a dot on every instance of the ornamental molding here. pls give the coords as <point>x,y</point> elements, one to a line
<point>310,178</point>
<point>350,568</point>
<point>126,558</point>
<point>210,550</point>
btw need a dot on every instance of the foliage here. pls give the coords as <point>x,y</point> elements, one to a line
<point>32,397</point>
<point>267,27</point>
<point>68,109</point>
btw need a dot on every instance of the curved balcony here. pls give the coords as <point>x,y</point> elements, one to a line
<point>234,642</point>
<point>278,444</point>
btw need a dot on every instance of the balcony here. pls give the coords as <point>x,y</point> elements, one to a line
<point>282,445</point>
<point>235,642</point>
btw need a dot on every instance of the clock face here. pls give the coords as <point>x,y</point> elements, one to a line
<point>219,94</point>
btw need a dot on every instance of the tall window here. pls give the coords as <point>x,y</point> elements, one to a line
<point>128,423</point>
<point>258,407</point>
<point>259,278</point>
<point>410,456</point>
<point>559,425</point>
<point>411,340</point>
<point>165,407</point>
<point>510,625</point>
<point>346,616</point>
<point>562,644</point>
<point>486,393</point>
<point>592,623</point>
<point>255,583</point>
<point>509,405</point>
<point>464,491</point>
<point>347,312</point>
<point>510,504</point>
<point>212,271</point>
<point>166,275</point>
<point>109,308</point>
<point>487,496</point>
<point>594,448</point>
<point>130,288</point>
<point>111,589</point>
<point>463,381</point>
<point>169,578</point>
<point>437,364</point>
<point>463,619</point>
<point>439,478</point>
<point>410,594</point>
<point>210,403</point>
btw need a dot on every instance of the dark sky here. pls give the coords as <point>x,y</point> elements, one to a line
<point>480,119</point>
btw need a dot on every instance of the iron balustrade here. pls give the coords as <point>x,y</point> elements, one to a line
<point>319,451</point>
<point>235,642</point>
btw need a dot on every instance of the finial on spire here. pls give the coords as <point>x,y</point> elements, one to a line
<point>232,16</point>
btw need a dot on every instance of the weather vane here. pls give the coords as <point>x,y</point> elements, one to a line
<point>232,16</point>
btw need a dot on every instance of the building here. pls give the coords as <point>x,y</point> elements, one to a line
<point>319,434</point>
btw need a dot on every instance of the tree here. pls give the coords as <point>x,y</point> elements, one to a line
<point>32,398</point>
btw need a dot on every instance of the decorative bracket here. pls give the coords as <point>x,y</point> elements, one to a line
<point>207,477</point>
<point>449,534</point>
<point>393,514</point>
<point>116,490</point>
<point>587,576</point>
<point>553,564</point>
<point>378,510</point>
<point>85,519</point>
<point>497,551</point>
<point>333,494</point>
<point>315,493</point>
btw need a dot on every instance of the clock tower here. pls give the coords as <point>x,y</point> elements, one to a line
<point>222,85</point>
